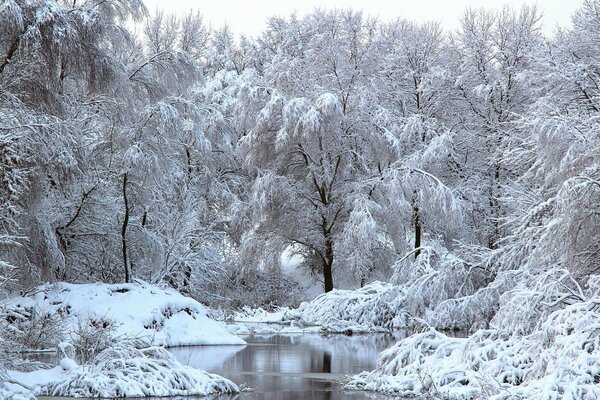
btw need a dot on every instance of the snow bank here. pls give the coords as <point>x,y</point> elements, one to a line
<point>248,314</point>
<point>124,371</point>
<point>159,317</point>
<point>373,308</point>
<point>561,359</point>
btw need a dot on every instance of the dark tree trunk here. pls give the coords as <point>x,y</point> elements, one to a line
<point>418,228</point>
<point>328,263</point>
<point>124,229</point>
<point>10,53</point>
<point>326,362</point>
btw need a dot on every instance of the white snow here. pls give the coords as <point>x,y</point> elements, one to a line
<point>560,360</point>
<point>124,371</point>
<point>373,308</point>
<point>158,316</point>
<point>248,314</point>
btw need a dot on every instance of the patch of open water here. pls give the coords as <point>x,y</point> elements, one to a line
<point>289,367</point>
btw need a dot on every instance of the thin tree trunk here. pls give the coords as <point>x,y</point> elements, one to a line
<point>418,228</point>
<point>124,229</point>
<point>495,206</point>
<point>328,263</point>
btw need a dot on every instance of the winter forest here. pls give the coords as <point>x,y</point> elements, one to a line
<point>166,184</point>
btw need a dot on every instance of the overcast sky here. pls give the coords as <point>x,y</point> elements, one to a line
<point>249,16</point>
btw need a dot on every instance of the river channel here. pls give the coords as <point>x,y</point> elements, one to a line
<point>289,367</point>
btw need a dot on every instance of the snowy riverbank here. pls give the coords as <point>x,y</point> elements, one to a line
<point>374,308</point>
<point>543,343</point>
<point>158,316</point>
<point>561,360</point>
<point>117,332</point>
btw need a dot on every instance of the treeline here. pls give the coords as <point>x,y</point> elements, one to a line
<point>372,150</point>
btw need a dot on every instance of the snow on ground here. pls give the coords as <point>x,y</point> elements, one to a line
<point>122,371</point>
<point>158,316</point>
<point>560,360</point>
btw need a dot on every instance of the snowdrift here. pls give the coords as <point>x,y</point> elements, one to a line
<point>157,316</point>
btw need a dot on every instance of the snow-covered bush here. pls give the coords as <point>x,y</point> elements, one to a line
<point>260,289</point>
<point>126,371</point>
<point>92,336</point>
<point>34,327</point>
<point>559,359</point>
<point>472,311</point>
<point>376,307</point>
<point>448,290</point>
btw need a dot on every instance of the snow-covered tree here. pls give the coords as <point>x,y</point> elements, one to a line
<point>491,54</point>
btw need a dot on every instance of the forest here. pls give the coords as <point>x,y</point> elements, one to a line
<point>335,171</point>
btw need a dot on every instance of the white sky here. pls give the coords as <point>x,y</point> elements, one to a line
<point>249,16</point>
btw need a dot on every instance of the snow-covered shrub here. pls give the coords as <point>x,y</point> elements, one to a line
<point>248,314</point>
<point>532,297</point>
<point>32,327</point>
<point>91,336</point>
<point>445,289</point>
<point>126,371</point>
<point>259,289</point>
<point>377,306</point>
<point>473,311</point>
<point>560,359</point>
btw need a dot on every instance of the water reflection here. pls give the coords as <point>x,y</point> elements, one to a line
<point>288,367</point>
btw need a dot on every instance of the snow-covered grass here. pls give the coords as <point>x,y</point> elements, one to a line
<point>157,316</point>
<point>373,308</point>
<point>122,370</point>
<point>559,360</point>
<point>259,315</point>
<point>249,321</point>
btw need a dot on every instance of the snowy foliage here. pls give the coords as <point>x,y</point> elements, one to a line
<point>126,371</point>
<point>375,307</point>
<point>560,360</point>
<point>460,166</point>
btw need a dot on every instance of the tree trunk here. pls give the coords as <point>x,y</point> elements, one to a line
<point>417,223</point>
<point>494,203</point>
<point>10,52</point>
<point>124,229</point>
<point>328,263</point>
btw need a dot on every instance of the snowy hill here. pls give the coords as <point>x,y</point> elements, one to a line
<point>159,317</point>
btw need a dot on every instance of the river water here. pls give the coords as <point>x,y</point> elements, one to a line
<point>284,366</point>
<point>289,367</point>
